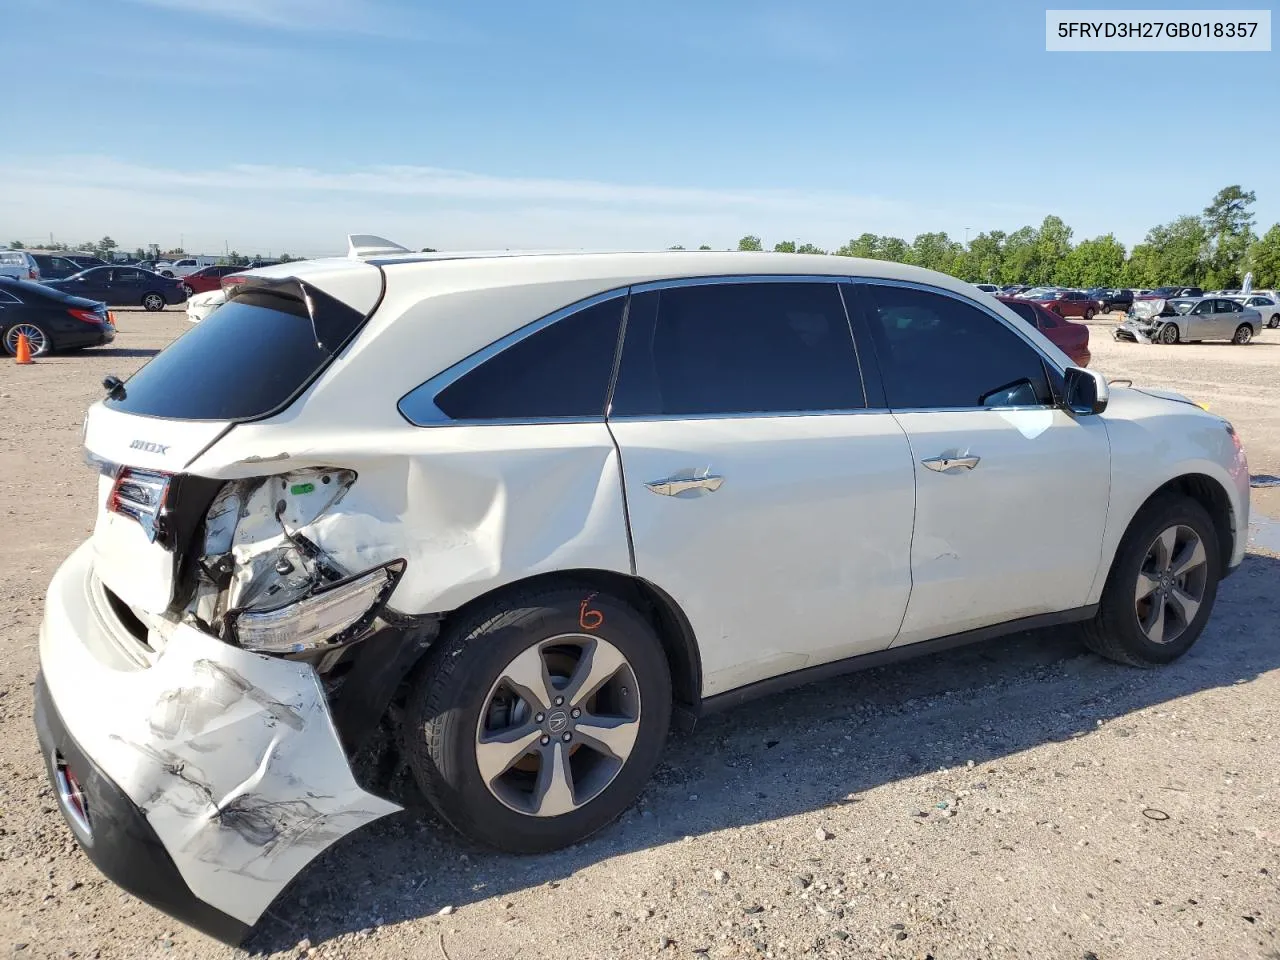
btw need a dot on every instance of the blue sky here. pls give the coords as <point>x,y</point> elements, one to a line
<point>286,124</point>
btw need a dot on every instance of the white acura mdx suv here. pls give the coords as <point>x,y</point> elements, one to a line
<point>515,512</point>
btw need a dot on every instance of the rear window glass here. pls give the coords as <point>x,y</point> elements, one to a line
<point>245,360</point>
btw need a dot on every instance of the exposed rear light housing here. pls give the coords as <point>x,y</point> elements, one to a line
<point>141,494</point>
<point>234,280</point>
<point>88,316</point>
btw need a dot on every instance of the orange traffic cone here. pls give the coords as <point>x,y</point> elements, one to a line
<point>24,349</point>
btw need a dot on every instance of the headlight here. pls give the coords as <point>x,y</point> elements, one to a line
<point>331,615</point>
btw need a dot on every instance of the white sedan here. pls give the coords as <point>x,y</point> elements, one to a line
<point>1266,305</point>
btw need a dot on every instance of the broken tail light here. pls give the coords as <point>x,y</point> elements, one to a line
<point>140,494</point>
<point>87,316</point>
<point>330,616</point>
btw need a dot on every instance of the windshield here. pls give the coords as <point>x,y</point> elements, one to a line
<point>247,359</point>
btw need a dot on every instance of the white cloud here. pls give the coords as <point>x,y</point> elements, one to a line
<point>309,211</point>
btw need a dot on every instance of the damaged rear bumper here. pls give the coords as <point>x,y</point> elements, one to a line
<point>203,761</point>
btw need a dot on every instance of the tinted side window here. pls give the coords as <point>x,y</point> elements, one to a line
<point>936,351</point>
<point>1024,310</point>
<point>738,348</point>
<point>562,370</point>
<point>128,276</point>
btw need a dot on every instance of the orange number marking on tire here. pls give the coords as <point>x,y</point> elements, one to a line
<point>588,617</point>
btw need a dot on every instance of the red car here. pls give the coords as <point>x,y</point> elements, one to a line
<point>208,278</point>
<point>1069,337</point>
<point>1068,303</point>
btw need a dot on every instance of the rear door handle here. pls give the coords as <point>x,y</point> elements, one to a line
<point>674,485</point>
<point>943,464</point>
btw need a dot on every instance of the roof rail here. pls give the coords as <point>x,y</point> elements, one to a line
<point>362,245</point>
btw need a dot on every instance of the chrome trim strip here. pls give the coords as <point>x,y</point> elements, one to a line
<point>418,406</point>
<point>738,278</point>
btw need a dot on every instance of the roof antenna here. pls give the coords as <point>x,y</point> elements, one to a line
<point>361,245</point>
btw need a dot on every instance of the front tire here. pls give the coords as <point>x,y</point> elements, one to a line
<point>1274,321</point>
<point>1162,585</point>
<point>1088,314</point>
<point>152,302</point>
<point>1244,333</point>
<point>537,719</point>
<point>1169,334</point>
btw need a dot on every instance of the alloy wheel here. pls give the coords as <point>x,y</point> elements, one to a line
<point>1171,584</point>
<point>1243,334</point>
<point>36,339</point>
<point>153,301</point>
<point>558,725</point>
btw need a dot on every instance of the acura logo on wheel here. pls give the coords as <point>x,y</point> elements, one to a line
<point>557,722</point>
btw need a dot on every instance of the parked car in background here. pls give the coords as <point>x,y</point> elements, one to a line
<point>1267,306</point>
<point>85,260</point>
<point>1166,293</point>
<point>1183,319</point>
<point>209,278</point>
<point>54,266</point>
<point>200,305</point>
<point>988,288</point>
<point>483,503</point>
<point>1069,337</point>
<point>124,286</point>
<point>1066,303</point>
<point>50,319</point>
<point>184,267</point>
<point>1111,299</point>
<point>19,265</point>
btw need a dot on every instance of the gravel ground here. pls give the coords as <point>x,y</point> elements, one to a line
<point>1019,798</point>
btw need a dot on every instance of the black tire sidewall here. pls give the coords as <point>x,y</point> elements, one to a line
<point>444,760</point>
<point>146,306</point>
<point>1119,616</point>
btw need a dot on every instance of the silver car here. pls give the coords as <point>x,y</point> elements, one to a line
<point>1189,318</point>
<point>1268,306</point>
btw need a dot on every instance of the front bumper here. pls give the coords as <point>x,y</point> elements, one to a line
<point>1133,332</point>
<point>219,763</point>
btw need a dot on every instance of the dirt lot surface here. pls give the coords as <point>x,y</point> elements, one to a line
<point>1020,798</point>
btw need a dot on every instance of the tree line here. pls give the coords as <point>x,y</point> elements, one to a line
<point>1213,250</point>
<point>106,247</point>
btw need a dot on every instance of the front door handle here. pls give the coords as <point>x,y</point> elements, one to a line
<point>675,485</point>
<point>943,464</point>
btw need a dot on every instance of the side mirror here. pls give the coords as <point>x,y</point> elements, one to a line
<point>1087,391</point>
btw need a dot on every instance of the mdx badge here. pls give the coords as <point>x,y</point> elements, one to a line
<point>149,447</point>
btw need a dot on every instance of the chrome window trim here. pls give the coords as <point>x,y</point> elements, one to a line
<point>723,278</point>
<point>7,297</point>
<point>422,398</point>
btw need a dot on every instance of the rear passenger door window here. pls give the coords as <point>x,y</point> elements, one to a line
<point>937,351</point>
<point>738,348</point>
<point>558,371</point>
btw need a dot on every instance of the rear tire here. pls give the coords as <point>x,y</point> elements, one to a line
<point>561,782</point>
<point>1088,314</point>
<point>152,302</point>
<point>1274,321</point>
<point>1161,588</point>
<point>1244,333</point>
<point>38,338</point>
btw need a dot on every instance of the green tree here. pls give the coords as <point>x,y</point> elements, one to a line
<point>895,249</point>
<point>934,251</point>
<point>784,246</point>
<point>1093,263</point>
<point>705,246</point>
<point>866,246</point>
<point>676,247</point>
<point>1264,259</point>
<point>1018,262</point>
<point>285,258</point>
<point>105,246</point>
<point>16,245</point>
<point>985,257</point>
<point>749,243</point>
<point>1228,224</point>
<point>1053,243</point>
<point>809,248</point>
<point>139,253</point>
<point>1176,253</point>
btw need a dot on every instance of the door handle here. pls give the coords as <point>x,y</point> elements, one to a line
<point>674,485</point>
<point>943,464</point>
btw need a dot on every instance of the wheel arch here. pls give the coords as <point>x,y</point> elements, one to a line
<point>667,618</point>
<point>1211,495</point>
